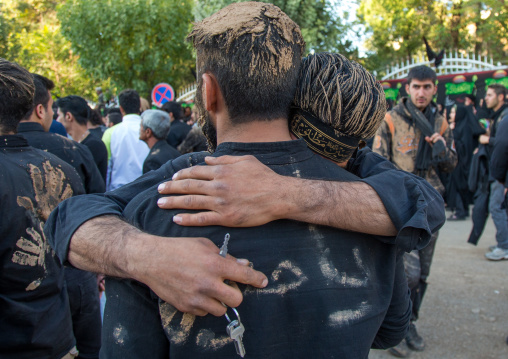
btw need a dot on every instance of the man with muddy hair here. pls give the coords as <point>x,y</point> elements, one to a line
<point>240,191</point>
<point>333,292</point>
<point>35,318</point>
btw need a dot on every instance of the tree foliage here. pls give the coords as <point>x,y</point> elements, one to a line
<point>396,28</point>
<point>321,28</point>
<point>136,43</point>
<point>30,35</point>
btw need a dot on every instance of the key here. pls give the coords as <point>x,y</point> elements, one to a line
<point>224,249</point>
<point>235,330</point>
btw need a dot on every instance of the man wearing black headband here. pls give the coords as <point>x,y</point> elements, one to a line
<point>416,138</point>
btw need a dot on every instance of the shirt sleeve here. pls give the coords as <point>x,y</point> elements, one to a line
<point>396,322</point>
<point>414,206</point>
<point>73,212</point>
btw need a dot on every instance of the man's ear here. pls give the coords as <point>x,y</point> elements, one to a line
<point>210,91</point>
<point>69,117</point>
<point>149,132</point>
<point>39,111</point>
<point>407,89</point>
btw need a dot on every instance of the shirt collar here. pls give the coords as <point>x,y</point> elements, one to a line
<point>131,118</point>
<point>13,141</point>
<point>30,126</point>
<point>269,153</point>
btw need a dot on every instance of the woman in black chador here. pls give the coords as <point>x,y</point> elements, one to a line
<point>462,121</point>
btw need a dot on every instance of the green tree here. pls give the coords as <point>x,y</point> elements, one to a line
<point>136,43</point>
<point>396,28</point>
<point>30,35</point>
<point>320,26</point>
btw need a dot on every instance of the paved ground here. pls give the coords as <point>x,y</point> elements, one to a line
<point>464,314</point>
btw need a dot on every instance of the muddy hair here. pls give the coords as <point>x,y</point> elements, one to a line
<point>16,95</point>
<point>341,94</point>
<point>254,51</point>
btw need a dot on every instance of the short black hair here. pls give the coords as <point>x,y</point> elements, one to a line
<point>113,110</point>
<point>41,97</point>
<point>130,102</point>
<point>95,118</point>
<point>173,107</point>
<point>498,89</point>
<point>421,73</point>
<point>115,117</point>
<point>16,95</point>
<point>77,106</point>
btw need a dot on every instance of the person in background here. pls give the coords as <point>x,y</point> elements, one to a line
<point>74,113</point>
<point>95,124</point>
<point>416,138</point>
<point>153,131</point>
<point>128,152</point>
<point>35,317</point>
<point>34,127</point>
<point>179,129</point>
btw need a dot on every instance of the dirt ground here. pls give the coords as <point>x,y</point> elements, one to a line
<point>464,314</point>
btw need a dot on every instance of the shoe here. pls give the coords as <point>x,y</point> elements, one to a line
<point>413,340</point>
<point>454,217</point>
<point>491,248</point>
<point>497,254</point>
<point>400,351</point>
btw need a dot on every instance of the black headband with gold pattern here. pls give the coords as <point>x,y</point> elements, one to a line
<point>321,138</point>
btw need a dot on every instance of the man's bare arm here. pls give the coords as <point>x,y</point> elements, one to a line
<point>189,273</point>
<point>242,192</point>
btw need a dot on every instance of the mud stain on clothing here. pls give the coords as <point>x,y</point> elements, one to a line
<point>206,340</point>
<point>343,317</point>
<point>177,332</point>
<point>120,334</point>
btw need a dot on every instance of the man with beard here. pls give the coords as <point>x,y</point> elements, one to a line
<point>190,275</point>
<point>495,100</point>
<point>416,138</point>
<point>357,281</point>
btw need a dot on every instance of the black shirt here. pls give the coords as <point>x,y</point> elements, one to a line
<point>35,320</point>
<point>177,133</point>
<point>75,154</point>
<point>159,154</point>
<point>99,153</point>
<point>98,131</point>
<point>332,293</point>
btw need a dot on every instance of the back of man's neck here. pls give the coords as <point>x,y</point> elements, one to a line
<point>255,131</point>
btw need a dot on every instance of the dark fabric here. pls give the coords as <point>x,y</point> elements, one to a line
<point>98,131</point>
<point>75,154</point>
<point>499,157</point>
<point>417,267</point>
<point>497,117</point>
<point>72,213</point>
<point>177,133</point>
<point>35,320</point>
<point>99,153</point>
<point>479,185</point>
<point>159,154</point>
<point>331,290</point>
<point>464,145</point>
<point>194,142</point>
<point>426,154</point>
<point>85,311</point>
<point>414,206</point>
<point>58,128</point>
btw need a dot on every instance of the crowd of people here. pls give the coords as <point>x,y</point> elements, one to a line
<point>131,204</point>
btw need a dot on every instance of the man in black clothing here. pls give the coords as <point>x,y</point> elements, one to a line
<point>495,100</point>
<point>153,130</point>
<point>33,128</point>
<point>179,129</point>
<point>35,320</point>
<point>334,293</point>
<point>73,113</point>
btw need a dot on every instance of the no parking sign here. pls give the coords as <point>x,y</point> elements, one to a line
<point>162,93</point>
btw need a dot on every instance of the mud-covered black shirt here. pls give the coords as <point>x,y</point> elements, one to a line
<point>331,293</point>
<point>75,154</point>
<point>35,320</point>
